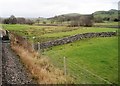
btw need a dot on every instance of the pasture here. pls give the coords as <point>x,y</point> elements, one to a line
<point>47,33</point>
<point>89,61</point>
<point>107,24</point>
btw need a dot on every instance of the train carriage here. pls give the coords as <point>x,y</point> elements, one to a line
<point>4,35</point>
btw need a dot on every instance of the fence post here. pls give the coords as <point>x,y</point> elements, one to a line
<point>117,32</point>
<point>38,46</point>
<point>26,44</point>
<point>33,43</point>
<point>65,71</point>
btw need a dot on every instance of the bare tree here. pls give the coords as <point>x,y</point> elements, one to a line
<point>21,20</point>
<point>38,20</point>
<point>86,20</point>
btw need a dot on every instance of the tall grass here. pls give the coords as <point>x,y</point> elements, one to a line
<point>41,69</point>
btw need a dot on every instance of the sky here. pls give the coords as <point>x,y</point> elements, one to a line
<point>50,8</point>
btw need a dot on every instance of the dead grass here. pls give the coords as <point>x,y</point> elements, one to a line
<point>40,68</point>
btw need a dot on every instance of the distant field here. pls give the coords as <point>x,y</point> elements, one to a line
<point>107,24</point>
<point>78,31</point>
<point>34,30</point>
<point>46,33</point>
<point>88,57</point>
<point>16,27</point>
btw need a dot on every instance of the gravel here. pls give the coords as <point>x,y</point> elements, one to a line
<point>13,71</point>
<point>0,61</point>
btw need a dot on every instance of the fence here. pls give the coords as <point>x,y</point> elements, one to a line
<point>70,39</point>
<point>39,46</point>
<point>78,72</point>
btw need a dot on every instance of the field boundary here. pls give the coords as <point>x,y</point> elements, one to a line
<point>73,38</point>
<point>97,76</point>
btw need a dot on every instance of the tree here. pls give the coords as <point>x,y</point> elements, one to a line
<point>6,21</point>
<point>52,21</point>
<point>12,19</point>
<point>116,20</point>
<point>74,23</point>
<point>98,20</point>
<point>38,20</point>
<point>44,22</point>
<point>1,20</point>
<point>86,20</point>
<point>21,20</point>
<point>30,22</point>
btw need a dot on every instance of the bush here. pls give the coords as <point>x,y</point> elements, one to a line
<point>86,20</point>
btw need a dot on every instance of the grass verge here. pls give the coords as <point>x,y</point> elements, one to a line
<point>40,68</point>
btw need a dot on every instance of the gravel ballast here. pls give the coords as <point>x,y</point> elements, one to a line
<point>13,71</point>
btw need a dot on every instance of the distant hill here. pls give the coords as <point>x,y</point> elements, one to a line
<point>107,15</point>
<point>41,19</point>
<point>71,14</point>
<point>111,15</point>
<point>64,16</point>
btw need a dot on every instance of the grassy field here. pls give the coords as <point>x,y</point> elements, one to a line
<point>16,27</point>
<point>107,24</point>
<point>46,33</point>
<point>78,31</point>
<point>89,61</point>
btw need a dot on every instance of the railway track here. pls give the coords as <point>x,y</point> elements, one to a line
<point>12,70</point>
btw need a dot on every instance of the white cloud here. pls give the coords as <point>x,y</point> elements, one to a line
<point>47,8</point>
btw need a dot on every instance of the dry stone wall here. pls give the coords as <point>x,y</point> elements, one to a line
<point>73,38</point>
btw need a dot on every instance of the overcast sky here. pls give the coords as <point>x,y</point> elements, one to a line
<point>49,8</point>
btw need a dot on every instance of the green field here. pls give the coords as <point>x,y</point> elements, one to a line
<point>107,24</point>
<point>78,31</point>
<point>46,33</point>
<point>89,61</point>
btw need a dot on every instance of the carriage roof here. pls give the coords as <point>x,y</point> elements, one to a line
<point>2,32</point>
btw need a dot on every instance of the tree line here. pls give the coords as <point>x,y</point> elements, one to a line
<point>79,20</point>
<point>72,20</point>
<point>13,20</point>
<point>111,15</point>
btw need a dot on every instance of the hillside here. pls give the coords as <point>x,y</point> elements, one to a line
<point>111,15</point>
<point>107,15</point>
<point>71,14</point>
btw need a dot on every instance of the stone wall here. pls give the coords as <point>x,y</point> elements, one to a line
<point>73,38</point>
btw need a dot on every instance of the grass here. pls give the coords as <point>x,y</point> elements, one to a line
<point>88,61</point>
<point>107,24</point>
<point>48,29</point>
<point>46,33</point>
<point>84,58</point>
<point>33,30</point>
<point>78,31</point>
<point>41,69</point>
<point>15,27</point>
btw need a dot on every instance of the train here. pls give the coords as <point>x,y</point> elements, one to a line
<point>4,35</point>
